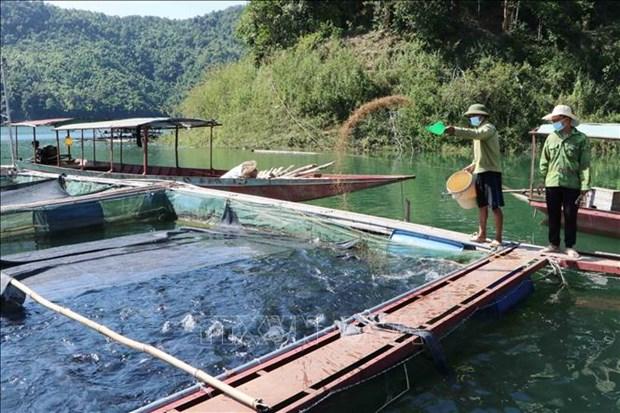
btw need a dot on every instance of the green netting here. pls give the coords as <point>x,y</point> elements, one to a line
<point>209,210</point>
<point>73,215</point>
<point>16,223</point>
<point>77,188</point>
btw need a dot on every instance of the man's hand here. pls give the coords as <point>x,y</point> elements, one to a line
<point>470,168</point>
<point>449,130</point>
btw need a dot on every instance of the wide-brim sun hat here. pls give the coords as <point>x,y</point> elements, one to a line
<point>477,109</point>
<point>562,110</point>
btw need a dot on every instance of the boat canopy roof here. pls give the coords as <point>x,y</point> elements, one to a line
<point>159,123</point>
<point>607,131</point>
<point>55,122</point>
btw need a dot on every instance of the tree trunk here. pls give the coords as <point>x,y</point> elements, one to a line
<point>506,21</point>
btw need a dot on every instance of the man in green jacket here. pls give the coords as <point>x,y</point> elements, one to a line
<point>565,167</point>
<point>487,169</point>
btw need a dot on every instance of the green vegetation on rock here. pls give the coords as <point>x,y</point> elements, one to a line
<point>312,64</point>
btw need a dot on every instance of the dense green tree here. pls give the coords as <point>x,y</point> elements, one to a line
<point>315,62</point>
<point>70,62</point>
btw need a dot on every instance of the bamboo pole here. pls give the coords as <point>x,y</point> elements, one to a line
<point>300,169</point>
<point>313,170</point>
<point>245,399</point>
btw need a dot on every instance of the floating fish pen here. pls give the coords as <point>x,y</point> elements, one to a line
<point>44,205</point>
<point>288,305</point>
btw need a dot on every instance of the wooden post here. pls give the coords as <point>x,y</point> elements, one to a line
<point>82,149</point>
<point>145,152</point>
<point>211,148</point>
<point>407,210</point>
<point>111,150</point>
<point>16,145</point>
<point>94,154</point>
<point>57,149</point>
<point>176,146</point>
<point>532,165</point>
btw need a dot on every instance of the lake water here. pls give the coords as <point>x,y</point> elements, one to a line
<point>559,351</point>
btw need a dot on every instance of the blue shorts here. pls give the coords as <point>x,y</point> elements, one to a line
<point>489,189</point>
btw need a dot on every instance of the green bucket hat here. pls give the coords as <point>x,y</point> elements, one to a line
<point>477,109</point>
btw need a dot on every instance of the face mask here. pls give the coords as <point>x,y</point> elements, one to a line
<point>474,120</point>
<point>558,126</point>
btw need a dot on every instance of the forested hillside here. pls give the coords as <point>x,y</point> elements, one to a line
<point>71,62</point>
<point>312,63</point>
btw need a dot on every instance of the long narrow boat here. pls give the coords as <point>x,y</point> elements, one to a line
<point>599,212</point>
<point>290,188</point>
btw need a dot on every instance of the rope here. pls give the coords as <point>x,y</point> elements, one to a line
<point>245,399</point>
<point>429,340</point>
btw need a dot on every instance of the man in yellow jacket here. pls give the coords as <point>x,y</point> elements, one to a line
<point>565,167</point>
<point>487,169</point>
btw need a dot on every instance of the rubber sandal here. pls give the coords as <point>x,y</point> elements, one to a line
<point>476,238</point>
<point>495,244</point>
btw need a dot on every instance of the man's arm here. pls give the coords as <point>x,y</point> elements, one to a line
<point>482,133</point>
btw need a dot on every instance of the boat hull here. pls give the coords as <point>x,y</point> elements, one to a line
<point>591,220</point>
<point>288,189</point>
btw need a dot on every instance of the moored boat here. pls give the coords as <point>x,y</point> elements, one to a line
<point>312,184</point>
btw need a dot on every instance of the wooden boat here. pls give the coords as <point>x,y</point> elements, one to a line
<point>309,185</point>
<point>599,212</point>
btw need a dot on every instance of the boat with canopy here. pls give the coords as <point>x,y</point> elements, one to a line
<point>303,184</point>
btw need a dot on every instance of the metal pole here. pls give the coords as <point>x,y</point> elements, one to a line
<point>176,147</point>
<point>57,149</point>
<point>16,144</point>
<point>111,150</point>
<point>34,139</point>
<point>82,149</point>
<point>211,148</point>
<point>145,144</point>
<point>532,165</point>
<point>120,136</point>
<point>5,93</point>
<point>94,154</point>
